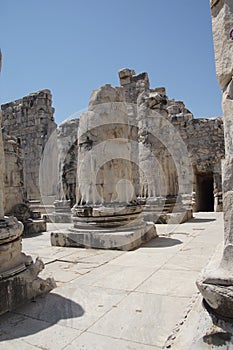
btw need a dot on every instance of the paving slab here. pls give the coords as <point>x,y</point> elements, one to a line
<point>141,317</point>
<point>41,334</point>
<point>170,283</point>
<point>60,271</point>
<point>74,305</point>
<point>16,345</point>
<point>196,330</point>
<point>91,341</point>
<point>187,261</point>
<point>199,333</point>
<point>144,259</point>
<point>117,277</point>
<point>111,299</point>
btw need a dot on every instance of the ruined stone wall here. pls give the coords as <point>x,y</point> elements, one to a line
<point>30,120</point>
<point>67,134</point>
<point>163,132</point>
<point>133,84</point>
<point>203,139</point>
<point>14,177</point>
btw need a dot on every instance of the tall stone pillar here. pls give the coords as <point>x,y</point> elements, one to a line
<point>67,169</point>
<point>106,214</point>
<point>217,286</point>
<point>165,167</point>
<point>19,281</point>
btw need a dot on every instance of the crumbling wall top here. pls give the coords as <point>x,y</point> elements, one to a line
<point>40,101</point>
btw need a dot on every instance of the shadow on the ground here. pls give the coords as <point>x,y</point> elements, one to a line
<point>196,220</point>
<point>218,339</point>
<point>30,235</point>
<point>38,315</point>
<point>162,242</point>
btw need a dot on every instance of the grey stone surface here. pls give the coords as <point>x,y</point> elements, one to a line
<point>92,341</point>
<point>222,20</point>
<point>217,286</point>
<point>19,281</point>
<point>14,179</point>
<point>62,210</point>
<point>67,135</point>
<point>196,331</point>
<point>106,214</point>
<point>34,333</point>
<point>161,121</point>
<point>2,159</point>
<point>123,238</point>
<point>31,120</point>
<point>35,226</point>
<point>138,314</point>
<point>105,298</point>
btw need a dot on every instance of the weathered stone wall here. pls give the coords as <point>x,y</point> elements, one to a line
<point>30,119</point>
<point>133,84</point>
<point>19,281</point>
<point>67,134</point>
<point>216,286</point>
<point>163,133</point>
<point>14,179</point>
<point>107,214</point>
<point>203,140</point>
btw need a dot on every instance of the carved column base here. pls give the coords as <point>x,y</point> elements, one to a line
<point>106,228</point>
<point>19,281</point>
<point>62,213</point>
<point>217,287</point>
<point>162,211</point>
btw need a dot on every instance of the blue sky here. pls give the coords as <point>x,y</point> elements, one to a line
<point>74,46</point>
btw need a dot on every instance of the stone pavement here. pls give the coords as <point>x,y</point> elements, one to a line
<point>113,299</point>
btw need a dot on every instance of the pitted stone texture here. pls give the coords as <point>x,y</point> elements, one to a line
<point>62,211</point>
<point>165,166</point>
<point>19,281</point>
<point>31,120</point>
<point>217,286</point>
<point>133,84</point>
<point>124,238</point>
<point>24,286</point>
<point>202,138</point>
<point>222,25</point>
<point>107,213</point>
<point>105,173</point>
<point>14,179</point>
<point>67,135</point>
<point>2,168</point>
<point>106,94</point>
<point>202,141</point>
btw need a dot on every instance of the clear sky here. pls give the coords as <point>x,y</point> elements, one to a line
<point>74,46</point>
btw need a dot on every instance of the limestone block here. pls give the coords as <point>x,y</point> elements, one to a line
<point>2,168</point>
<point>126,237</point>
<point>173,109</point>
<point>217,285</point>
<point>62,211</point>
<point>106,94</point>
<point>125,73</point>
<point>107,213</point>
<point>23,287</point>
<point>30,119</point>
<point>222,24</point>
<point>104,147</point>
